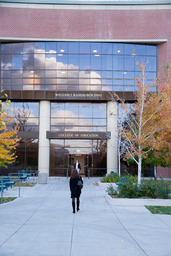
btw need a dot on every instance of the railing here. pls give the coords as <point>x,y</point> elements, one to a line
<point>12,178</point>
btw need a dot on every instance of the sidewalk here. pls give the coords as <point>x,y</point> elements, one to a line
<point>41,223</point>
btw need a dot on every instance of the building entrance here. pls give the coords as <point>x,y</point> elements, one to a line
<point>90,153</point>
<point>84,160</point>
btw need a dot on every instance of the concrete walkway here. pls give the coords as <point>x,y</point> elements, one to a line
<point>41,223</point>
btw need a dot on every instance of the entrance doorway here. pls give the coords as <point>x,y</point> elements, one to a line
<point>84,161</point>
<point>90,153</point>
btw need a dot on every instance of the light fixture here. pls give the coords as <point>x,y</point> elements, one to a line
<point>62,50</point>
<point>119,51</point>
<point>94,50</point>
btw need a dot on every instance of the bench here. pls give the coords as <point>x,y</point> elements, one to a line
<point>7,182</point>
<point>18,175</point>
<point>123,180</point>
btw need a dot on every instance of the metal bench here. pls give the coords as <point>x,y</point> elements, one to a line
<point>123,180</point>
<point>7,182</point>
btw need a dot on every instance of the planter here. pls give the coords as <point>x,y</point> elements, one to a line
<point>137,201</point>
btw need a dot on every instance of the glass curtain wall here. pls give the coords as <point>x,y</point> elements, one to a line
<point>89,117</point>
<point>74,66</point>
<point>26,116</point>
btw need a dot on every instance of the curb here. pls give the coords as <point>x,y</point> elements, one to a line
<point>137,201</point>
<point>133,201</point>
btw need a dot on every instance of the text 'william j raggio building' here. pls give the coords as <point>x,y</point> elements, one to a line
<point>60,63</point>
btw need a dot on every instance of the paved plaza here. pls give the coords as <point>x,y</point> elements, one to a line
<point>41,223</point>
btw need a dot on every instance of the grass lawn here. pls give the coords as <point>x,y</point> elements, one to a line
<point>159,209</point>
<point>24,184</point>
<point>8,199</point>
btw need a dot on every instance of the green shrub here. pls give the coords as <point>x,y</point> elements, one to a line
<point>111,190</point>
<point>115,178</point>
<point>148,189</point>
<point>128,189</point>
<point>110,178</point>
<point>155,189</point>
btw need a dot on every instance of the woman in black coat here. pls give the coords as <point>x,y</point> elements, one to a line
<point>75,190</point>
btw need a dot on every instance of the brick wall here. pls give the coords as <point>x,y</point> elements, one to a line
<point>163,172</point>
<point>88,24</point>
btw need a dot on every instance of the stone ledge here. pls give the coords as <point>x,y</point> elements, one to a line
<point>137,201</point>
<point>132,201</point>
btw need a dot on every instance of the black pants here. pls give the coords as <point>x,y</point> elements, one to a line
<point>73,199</point>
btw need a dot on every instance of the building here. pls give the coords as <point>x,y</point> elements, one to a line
<point>60,61</point>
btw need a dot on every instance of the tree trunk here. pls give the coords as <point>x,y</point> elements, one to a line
<point>155,172</point>
<point>119,167</point>
<point>139,169</point>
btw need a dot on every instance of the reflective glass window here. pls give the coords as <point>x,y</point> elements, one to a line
<point>95,48</point>
<point>61,47</point>
<point>62,61</point>
<point>117,48</point>
<point>6,49</point>
<point>50,61</point>
<point>85,47</point>
<point>140,49</point>
<point>28,61</point>
<point>6,63</point>
<point>73,61</point>
<point>17,61</point>
<point>150,50</point>
<point>85,110</point>
<point>39,47</point>
<point>39,61</point>
<point>17,48</point>
<point>107,48</point>
<point>50,47</point>
<point>79,66</point>
<point>84,62</point>
<point>129,63</point>
<point>99,110</point>
<point>107,62</point>
<point>71,110</point>
<point>96,62</point>
<point>117,62</point>
<point>28,48</point>
<point>73,47</point>
<point>151,64</point>
<point>129,49</point>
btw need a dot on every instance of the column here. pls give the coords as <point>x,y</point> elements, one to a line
<point>112,154</point>
<point>44,143</point>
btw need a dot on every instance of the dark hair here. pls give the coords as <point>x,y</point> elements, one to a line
<point>74,174</point>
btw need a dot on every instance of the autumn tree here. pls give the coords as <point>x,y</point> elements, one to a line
<point>147,126</point>
<point>8,138</point>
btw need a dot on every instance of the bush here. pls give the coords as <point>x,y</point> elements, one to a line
<point>148,188</point>
<point>128,189</point>
<point>111,190</point>
<point>155,189</point>
<point>111,178</point>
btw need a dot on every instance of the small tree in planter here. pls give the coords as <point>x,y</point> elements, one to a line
<point>147,125</point>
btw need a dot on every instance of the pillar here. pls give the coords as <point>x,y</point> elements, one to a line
<point>112,154</point>
<point>44,143</point>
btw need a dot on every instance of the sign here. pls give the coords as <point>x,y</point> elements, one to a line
<point>78,95</point>
<point>79,135</point>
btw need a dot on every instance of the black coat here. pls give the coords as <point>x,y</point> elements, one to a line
<point>75,190</point>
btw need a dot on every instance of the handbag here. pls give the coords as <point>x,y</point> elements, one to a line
<point>79,183</point>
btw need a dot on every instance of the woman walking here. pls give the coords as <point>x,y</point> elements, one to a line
<point>75,190</point>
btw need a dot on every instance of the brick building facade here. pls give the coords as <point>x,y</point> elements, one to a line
<point>126,22</point>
